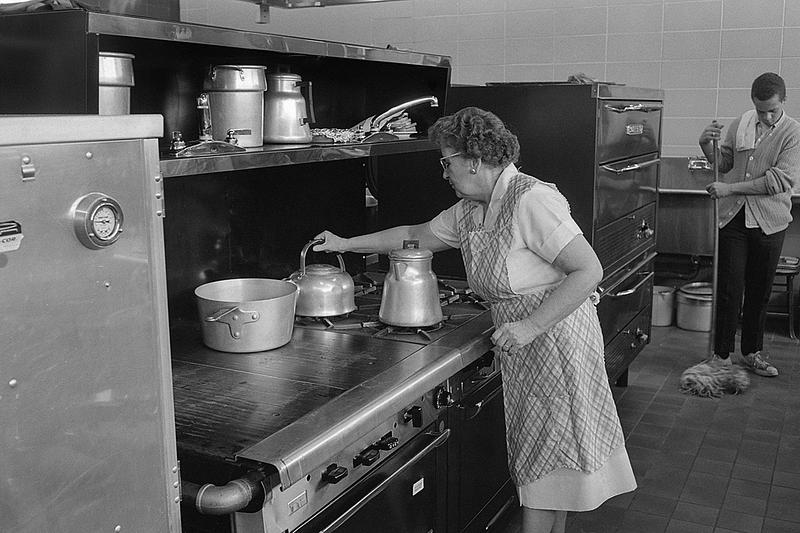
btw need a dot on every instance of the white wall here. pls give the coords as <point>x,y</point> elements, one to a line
<point>703,53</point>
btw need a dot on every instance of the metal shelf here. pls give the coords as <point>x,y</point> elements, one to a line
<point>123,26</point>
<point>280,155</point>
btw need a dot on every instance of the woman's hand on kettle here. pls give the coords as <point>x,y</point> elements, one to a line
<point>333,243</point>
<point>511,337</point>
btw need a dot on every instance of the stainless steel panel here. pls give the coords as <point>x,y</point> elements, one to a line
<point>86,433</point>
<point>624,187</point>
<point>627,128</point>
<point>621,241</point>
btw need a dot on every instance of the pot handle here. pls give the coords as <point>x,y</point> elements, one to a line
<point>235,318</point>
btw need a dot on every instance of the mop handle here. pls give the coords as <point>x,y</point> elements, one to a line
<point>716,255</point>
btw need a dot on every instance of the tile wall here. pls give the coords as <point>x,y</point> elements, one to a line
<point>703,53</point>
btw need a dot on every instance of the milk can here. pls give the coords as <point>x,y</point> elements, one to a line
<point>411,289</point>
<point>236,99</point>
<point>286,110</point>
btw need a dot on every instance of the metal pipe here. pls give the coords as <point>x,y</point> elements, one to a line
<point>226,499</point>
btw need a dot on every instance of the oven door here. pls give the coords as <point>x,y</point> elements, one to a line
<point>479,471</point>
<point>406,494</point>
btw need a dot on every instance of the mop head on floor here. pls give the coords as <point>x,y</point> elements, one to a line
<point>712,379</point>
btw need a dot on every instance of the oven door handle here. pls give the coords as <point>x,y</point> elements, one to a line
<point>633,289</point>
<point>630,168</point>
<point>440,439</point>
<point>479,405</point>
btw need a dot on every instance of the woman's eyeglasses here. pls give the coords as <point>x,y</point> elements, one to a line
<point>444,160</point>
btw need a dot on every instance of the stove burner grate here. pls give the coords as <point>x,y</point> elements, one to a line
<point>422,331</point>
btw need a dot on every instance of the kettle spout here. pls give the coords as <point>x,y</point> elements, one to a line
<point>381,120</point>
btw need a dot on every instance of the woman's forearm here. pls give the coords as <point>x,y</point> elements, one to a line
<point>385,241</point>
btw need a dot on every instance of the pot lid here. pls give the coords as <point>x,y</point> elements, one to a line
<point>411,254</point>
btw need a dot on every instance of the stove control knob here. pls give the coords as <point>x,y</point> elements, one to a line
<point>387,442</point>
<point>442,398</point>
<point>367,457</point>
<point>413,415</point>
<point>334,473</point>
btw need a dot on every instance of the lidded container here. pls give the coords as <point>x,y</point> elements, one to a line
<point>285,116</point>
<point>694,306</point>
<point>411,290</point>
<point>236,101</point>
<point>115,81</point>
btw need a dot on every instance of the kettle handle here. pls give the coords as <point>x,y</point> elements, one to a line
<point>310,102</point>
<point>304,251</point>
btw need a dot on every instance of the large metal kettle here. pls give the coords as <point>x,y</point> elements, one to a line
<point>324,290</point>
<point>411,289</point>
<point>285,117</point>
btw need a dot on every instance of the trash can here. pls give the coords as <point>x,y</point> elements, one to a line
<point>663,305</point>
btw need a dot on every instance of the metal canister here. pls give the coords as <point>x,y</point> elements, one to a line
<point>115,81</point>
<point>236,99</point>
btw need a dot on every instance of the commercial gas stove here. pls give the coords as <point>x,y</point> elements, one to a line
<point>325,420</point>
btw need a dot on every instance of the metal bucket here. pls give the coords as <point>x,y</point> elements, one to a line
<point>236,99</point>
<point>246,314</point>
<point>663,305</point>
<point>694,306</point>
<point>115,82</point>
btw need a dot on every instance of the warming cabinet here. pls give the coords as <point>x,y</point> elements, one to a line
<point>351,421</point>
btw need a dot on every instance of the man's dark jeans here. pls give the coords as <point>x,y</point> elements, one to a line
<point>746,265</point>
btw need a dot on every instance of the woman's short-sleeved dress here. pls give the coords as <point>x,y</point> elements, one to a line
<point>565,443</point>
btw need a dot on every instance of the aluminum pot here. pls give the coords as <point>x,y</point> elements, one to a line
<point>115,79</point>
<point>411,290</point>
<point>694,306</point>
<point>246,314</point>
<point>236,101</point>
<point>324,290</point>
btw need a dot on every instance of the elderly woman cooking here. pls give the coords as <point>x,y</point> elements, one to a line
<point>524,253</point>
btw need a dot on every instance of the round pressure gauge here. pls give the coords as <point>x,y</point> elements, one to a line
<point>97,219</point>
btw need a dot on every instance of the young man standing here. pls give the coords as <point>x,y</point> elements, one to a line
<point>760,160</point>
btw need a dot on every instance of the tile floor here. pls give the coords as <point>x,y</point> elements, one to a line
<point>729,464</point>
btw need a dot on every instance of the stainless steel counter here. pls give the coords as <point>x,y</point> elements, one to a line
<point>282,406</point>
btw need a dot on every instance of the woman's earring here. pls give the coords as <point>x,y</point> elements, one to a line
<point>473,171</point>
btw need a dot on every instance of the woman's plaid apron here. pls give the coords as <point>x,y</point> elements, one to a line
<point>558,405</point>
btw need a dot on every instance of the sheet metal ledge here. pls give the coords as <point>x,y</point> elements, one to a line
<point>307,443</point>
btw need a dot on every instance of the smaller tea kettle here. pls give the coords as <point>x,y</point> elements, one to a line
<point>411,289</point>
<point>324,290</point>
<point>285,118</point>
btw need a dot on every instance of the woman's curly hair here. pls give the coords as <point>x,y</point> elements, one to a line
<point>476,133</point>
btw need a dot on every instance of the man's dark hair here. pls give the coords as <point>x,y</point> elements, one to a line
<point>768,85</point>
